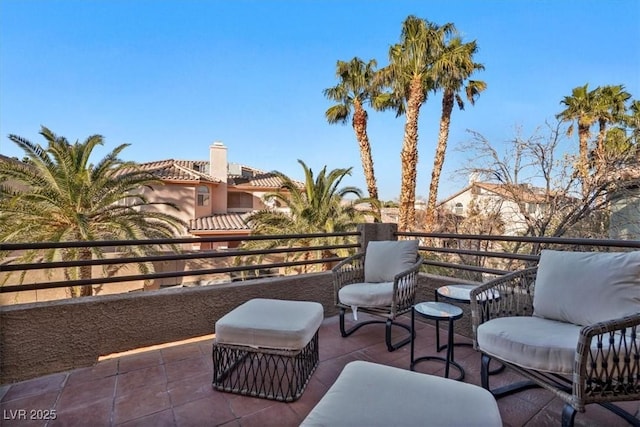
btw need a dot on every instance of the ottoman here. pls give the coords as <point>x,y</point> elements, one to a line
<point>267,348</point>
<point>368,394</point>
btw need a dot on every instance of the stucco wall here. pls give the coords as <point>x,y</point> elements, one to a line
<point>42,338</point>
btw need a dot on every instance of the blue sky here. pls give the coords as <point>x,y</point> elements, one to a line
<point>171,77</point>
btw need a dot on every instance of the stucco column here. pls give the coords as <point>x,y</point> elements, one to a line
<point>376,231</point>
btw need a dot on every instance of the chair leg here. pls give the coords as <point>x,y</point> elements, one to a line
<point>568,415</point>
<point>504,390</point>
<point>390,346</point>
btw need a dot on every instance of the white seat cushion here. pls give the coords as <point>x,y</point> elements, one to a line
<point>587,287</point>
<point>531,342</point>
<point>368,394</point>
<point>384,259</point>
<point>270,323</point>
<point>367,294</point>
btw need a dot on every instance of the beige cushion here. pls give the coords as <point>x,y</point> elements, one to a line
<point>531,342</point>
<point>368,394</point>
<point>587,287</point>
<point>367,294</point>
<point>384,259</point>
<point>270,323</point>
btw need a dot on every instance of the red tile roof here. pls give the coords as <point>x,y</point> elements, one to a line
<point>178,170</point>
<point>220,222</point>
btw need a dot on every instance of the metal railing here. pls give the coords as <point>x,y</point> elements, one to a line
<point>237,254</point>
<point>524,251</point>
<point>472,257</point>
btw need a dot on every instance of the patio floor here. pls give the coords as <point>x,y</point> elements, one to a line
<point>171,386</point>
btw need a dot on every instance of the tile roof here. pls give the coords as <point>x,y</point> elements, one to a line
<point>178,170</point>
<point>193,170</point>
<point>523,192</point>
<point>255,178</point>
<point>220,222</point>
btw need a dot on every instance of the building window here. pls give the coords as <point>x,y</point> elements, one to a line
<point>458,209</point>
<point>531,208</point>
<point>240,201</point>
<point>203,195</point>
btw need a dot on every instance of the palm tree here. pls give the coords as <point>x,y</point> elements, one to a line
<point>411,76</point>
<point>355,89</point>
<point>59,196</point>
<point>452,70</point>
<point>632,121</point>
<point>611,109</point>
<point>318,206</point>
<point>582,106</point>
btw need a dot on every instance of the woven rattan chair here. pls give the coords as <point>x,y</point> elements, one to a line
<point>382,281</point>
<point>568,325</point>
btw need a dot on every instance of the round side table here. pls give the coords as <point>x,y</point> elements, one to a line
<point>453,293</point>
<point>439,311</point>
<point>461,293</point>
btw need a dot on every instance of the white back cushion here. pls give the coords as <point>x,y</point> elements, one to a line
<point>587,287</point>
<point>385,259</point>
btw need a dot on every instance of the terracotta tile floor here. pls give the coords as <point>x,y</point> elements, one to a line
<point>171,386</point>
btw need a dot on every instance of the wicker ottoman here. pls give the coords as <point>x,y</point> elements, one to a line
<point>368,394</point>
<point>267,348</point>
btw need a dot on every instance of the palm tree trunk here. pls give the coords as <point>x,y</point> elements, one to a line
<point>438,160</point>
<point>360,127</point>
<point>583,161</point>
<point>85,273</point>
<point>600,148</point>
<point>409,158</point>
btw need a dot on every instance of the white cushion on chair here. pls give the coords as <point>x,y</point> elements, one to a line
<point>367,294</point>
<point>584,288</point>
<point>384,259</point>
<point>531,342</point>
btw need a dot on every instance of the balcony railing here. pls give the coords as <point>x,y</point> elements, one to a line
<point>51,336</point>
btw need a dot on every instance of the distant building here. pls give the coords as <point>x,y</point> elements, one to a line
<point>214,196</point>
<point>505,201</point>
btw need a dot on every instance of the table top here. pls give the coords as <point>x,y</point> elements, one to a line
<point>457,292</point>
<point>438,310</point>
<point>462,293</point>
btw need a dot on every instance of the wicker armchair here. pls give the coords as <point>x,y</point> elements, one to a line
<point>581,362</point>
<point>382,281</point>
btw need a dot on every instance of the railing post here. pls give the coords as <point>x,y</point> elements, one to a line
<point>376,231</point>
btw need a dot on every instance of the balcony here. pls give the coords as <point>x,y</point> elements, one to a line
<point>144,358</point>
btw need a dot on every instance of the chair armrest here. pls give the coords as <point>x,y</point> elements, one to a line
<point>404,288</point>
<point>349,270</point>
<point>506,296</point>
<point>607,360</point>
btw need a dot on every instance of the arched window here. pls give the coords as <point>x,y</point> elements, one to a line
<point>459,208</point>
<point>203,195</point>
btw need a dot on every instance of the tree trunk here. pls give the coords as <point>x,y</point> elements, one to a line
<point>360,127</point>
<point>438,160</point>
<point>409,158</point>
<point>583,162</point>
<point>85,273</point>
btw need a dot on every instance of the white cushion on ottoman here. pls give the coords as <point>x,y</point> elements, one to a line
<point>368,394</point>
<point>270,323</point>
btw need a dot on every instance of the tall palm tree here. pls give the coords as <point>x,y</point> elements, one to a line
<point>316,207</point>
<point>611,109</point>
<point>411,76</point>
<point>59,196</point>
<point>452,69</point>
<point>582,107</point>
<point>355,89</point>
<point>632,121</point>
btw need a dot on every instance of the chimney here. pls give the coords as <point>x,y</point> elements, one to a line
<point>218,161</point>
